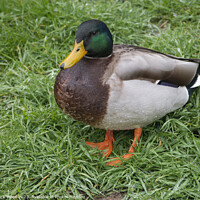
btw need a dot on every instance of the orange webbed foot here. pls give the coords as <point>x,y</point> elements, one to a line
<point>107,145</point>
<point>117,161</point>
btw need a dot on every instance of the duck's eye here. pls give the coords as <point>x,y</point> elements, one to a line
<point>94,33</point>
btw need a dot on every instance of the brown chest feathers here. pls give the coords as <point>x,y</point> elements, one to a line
<point>80,93</point>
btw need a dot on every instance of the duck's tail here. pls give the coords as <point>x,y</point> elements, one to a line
<point>195,83</point>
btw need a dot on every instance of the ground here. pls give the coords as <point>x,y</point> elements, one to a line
<point>43,151</point>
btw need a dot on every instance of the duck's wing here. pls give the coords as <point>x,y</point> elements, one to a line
<point>141,63</point>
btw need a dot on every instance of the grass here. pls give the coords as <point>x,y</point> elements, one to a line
<point>42,151</point>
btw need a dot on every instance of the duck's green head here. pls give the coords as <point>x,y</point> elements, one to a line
<point>93,39</point>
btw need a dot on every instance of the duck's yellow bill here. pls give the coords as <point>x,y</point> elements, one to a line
<point>77,53</point>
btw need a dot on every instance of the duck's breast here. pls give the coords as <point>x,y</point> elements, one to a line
<point>79,91</point>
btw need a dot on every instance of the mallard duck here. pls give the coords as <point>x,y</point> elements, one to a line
<point>120,87</point>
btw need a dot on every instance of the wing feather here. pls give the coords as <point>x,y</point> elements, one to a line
<point>141,63</point>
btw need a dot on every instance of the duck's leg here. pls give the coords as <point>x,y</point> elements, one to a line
<point>137,134</point>
<point>107,144</point>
